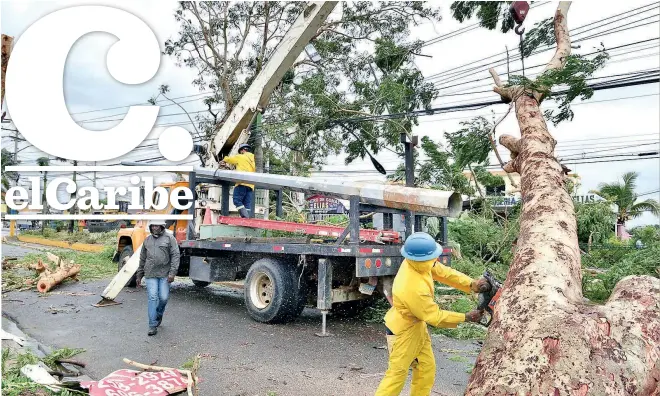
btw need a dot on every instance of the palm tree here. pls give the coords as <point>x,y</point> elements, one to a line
<point>7,160</point>
<point>624,197</point>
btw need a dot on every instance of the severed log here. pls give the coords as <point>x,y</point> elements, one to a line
<point>49,279</point>
<point>40,267</point>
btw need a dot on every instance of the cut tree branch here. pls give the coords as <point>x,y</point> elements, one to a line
<point>491,138</point>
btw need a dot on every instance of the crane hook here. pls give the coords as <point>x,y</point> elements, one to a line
<point>519,32</point>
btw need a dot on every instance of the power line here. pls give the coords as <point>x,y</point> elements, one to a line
<point>472,27</point>
<point>453,72</point>
<point>437,84</point>
<point>497,166</point>
<point>474,106</point>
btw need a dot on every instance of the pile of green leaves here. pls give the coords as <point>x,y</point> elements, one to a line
<point>482,238</point>
<point>594,219</point>
<point>632,262</point>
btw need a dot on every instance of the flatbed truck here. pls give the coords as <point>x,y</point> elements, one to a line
<point>326,267</point>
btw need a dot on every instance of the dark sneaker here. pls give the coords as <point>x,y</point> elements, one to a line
<point>152,331</point>
<point>159,321</point>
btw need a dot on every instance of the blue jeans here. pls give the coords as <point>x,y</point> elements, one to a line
<point>158,291</point>
<point>243,197</point>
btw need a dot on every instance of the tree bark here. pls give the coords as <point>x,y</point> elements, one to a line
<point>545,339</point>
<point>48,279</point>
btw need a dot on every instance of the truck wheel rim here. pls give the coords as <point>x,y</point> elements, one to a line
<point>261,290</point>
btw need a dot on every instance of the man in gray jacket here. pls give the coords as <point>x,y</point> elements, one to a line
<point>159,262</point>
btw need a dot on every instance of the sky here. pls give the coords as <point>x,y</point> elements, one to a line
<point>625,120</point>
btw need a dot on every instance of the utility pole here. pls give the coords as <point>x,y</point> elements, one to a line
<point>7,42</point>
<point>72,223</point>
<point>411,219</point>
<point>94,179</point>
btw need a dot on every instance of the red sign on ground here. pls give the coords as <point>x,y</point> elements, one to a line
<point>138,383</point>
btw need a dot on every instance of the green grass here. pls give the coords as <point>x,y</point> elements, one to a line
<point>464,331</point>
<point>15,384</point>
<point>188,364</point>
<point>99,238</point>
<point>93,266</point>
<point>457,358</point>
<point>64,353</point>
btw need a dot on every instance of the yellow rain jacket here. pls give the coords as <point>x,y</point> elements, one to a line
<point>413,293</point>
<point>244,163</point>
<point>414,307</point>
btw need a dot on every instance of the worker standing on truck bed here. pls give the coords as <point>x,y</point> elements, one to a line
<point>159,263</point>
<point>413,308</point>
<point>243,192</point>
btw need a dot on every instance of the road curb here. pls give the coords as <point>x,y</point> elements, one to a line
<point>38,349</point>
<point>81,247</point>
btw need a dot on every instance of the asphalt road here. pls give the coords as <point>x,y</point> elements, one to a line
<point>240,356</point>
<point>15,250</point>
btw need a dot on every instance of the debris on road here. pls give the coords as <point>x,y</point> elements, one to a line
<point>72,294</point>
<point>8,336</point>
<point>49,279</point>
<point>170,382</point>
<point>5,262</point>
<point>38,373</point>
<point>190,382</point>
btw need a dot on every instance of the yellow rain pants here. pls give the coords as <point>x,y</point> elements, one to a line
<point>413,307</point>
<point>412,347</point>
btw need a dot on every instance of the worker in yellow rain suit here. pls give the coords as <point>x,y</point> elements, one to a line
<point>243,192</point>
<point>413,308</point>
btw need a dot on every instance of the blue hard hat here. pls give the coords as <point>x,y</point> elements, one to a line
<point>244,146</point>
<point>420,246</point>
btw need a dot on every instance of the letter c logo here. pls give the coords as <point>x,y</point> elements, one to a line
<point>36,70</point>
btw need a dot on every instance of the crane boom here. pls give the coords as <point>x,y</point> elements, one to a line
<point>236,127</point>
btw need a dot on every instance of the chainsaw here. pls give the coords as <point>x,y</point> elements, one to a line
<point>488,299</point>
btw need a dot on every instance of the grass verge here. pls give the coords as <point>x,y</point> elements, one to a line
<point>19,276</point>
<point>15,384</point>
<point>97,238</point>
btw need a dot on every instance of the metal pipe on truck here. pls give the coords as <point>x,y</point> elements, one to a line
<point>419,200</point>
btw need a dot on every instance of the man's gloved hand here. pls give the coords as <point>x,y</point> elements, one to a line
<point>480,285</point>
<point>138,281</point>
<point>170,278</point>
<point>474,316</point>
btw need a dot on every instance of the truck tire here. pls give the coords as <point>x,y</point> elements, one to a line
<point>126,253</point>
<point>271,292</point>
<point>200,284</point>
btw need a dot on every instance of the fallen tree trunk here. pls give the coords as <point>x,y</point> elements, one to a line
<point>50,279</point>
<point>544,339</point>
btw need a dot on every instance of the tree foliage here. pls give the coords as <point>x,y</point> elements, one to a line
<point>623,195</point>
<point>471,143</point>
<point>228,43</point>
<point>8,177</point>
<point>573,76</point>
<point>594,219</point>
<point>488,12</point>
